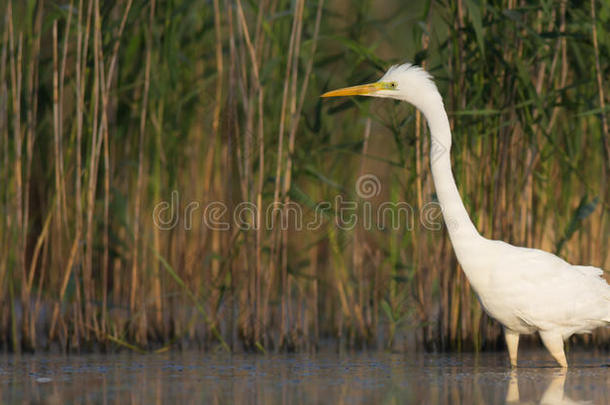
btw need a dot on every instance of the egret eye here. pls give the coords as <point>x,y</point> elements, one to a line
<point>393,85</point>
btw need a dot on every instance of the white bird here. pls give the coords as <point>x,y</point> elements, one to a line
<point>526,290</point>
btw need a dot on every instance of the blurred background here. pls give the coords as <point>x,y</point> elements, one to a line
<point>131,131</point>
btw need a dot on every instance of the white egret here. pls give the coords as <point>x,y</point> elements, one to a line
<point>526,290</point>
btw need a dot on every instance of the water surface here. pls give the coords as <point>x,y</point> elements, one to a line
<point>363,378</point>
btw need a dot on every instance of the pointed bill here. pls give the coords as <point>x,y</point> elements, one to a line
<point>361,90</point>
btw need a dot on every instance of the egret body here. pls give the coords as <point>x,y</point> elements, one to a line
<point>526,290</point>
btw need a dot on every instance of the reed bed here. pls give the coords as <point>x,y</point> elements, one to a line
<point>131,133</point>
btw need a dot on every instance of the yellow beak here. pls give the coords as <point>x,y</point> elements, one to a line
<point>361,90</point>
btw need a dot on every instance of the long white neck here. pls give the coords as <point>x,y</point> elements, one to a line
<point>465,238</point>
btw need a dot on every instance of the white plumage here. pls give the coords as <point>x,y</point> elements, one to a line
<point>526,290</point>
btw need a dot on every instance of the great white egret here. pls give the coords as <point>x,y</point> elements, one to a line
<point>526,290</point>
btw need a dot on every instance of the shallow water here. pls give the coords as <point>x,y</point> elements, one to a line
<point>197,378</point>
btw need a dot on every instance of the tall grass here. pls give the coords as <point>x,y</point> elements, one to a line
<point>115,114</point>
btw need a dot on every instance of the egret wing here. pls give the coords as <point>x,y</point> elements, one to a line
<point>547,293</point>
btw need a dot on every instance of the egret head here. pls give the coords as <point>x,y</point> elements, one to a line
<point>405,82</point>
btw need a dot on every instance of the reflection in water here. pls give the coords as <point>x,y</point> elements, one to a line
<point>554,394</point>
<point>196,378</point>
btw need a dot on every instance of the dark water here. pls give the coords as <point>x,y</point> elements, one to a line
<point>196,378</point>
